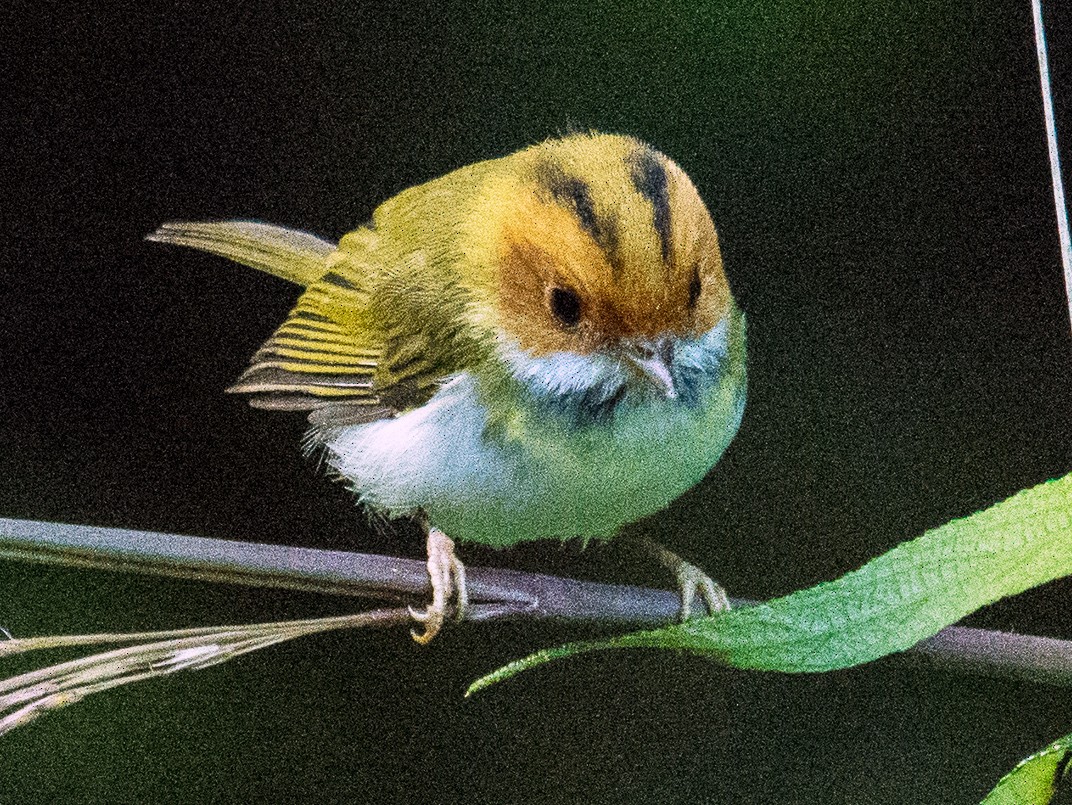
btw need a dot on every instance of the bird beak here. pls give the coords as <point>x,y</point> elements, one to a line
<point>653,362</point>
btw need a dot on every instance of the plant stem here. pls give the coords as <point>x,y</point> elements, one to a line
<point>497,594</point>
<point>1051,142</point>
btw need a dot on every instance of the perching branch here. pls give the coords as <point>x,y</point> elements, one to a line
<point>495,595</point>
<point>518,594</point>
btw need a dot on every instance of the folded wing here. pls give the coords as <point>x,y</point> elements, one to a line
<point>324,356</point>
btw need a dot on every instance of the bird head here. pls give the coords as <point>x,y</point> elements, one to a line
<point>608,279</point>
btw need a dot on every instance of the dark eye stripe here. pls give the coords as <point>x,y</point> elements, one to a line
<point>649,179</point>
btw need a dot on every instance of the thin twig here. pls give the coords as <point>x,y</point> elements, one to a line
<point>1051,143</point>
<point>32,694</point>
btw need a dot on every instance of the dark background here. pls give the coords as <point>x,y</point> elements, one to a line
<point>878,175</point>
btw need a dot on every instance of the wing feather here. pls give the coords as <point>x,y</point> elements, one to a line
<point>323,358</point>
<point>331,357</point>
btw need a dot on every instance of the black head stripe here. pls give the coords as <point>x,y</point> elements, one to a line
<point>575,195</point>
<point>649,178</point>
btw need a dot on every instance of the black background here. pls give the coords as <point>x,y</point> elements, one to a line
<point>878,175</point>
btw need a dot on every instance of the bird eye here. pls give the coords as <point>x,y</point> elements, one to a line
<point>694,289</point>
<point>565,306</point>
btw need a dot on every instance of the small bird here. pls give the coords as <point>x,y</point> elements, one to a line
<point>541,346</point>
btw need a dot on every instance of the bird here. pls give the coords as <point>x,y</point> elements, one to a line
<point>538,346</point>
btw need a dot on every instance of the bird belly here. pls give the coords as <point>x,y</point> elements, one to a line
<point>532,478</point>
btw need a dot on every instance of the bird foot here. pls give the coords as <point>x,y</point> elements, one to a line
<point>447,576</point>
<point>690,582</point>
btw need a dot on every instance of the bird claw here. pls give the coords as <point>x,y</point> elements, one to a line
<point>446,574</point>
<point>690,581</point>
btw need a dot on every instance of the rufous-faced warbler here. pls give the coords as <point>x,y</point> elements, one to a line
<point>542,346</point>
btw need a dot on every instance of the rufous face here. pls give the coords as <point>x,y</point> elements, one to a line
<point>605,241</point>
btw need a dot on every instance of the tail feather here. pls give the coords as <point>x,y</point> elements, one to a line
<point>287,253</point>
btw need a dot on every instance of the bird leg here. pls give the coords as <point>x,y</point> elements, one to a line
<point>690,580</point>
<point>447,576</point>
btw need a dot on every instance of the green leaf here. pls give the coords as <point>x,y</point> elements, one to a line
<point>1035,779</point>
<point>888,605</point>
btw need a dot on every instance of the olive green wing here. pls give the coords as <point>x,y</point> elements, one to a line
<point>331,356</point>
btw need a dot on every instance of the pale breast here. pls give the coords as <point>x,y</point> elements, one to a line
<point>542,475</point>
